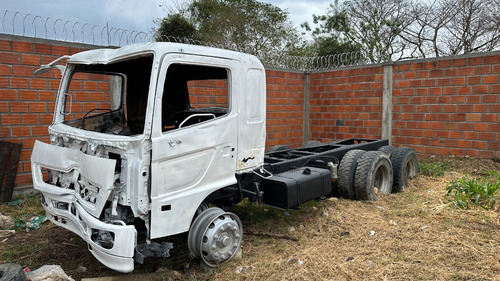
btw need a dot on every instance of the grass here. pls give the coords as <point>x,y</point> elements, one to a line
<point>433,169</point>
<point>481,192</point>
<point>417,236</point>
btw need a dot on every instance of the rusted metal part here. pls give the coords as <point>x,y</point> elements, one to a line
<point>9,160</point>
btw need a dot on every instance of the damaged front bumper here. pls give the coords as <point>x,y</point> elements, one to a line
<point>113,243</point>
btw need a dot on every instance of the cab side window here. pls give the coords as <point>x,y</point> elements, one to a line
<point>194,94</point>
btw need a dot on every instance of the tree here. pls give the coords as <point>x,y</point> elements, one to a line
<point>243,25</point>
<point>175,25</point>
<point>450,27</point>
<point>372,26</point>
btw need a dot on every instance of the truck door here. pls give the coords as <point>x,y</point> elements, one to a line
<point>194,138</point>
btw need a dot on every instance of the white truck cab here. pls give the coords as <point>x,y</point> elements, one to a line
<point>142,136</point>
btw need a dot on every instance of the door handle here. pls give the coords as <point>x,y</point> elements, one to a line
<point>172,143</point>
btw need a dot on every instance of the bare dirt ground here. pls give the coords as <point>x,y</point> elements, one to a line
<point>413,235</point>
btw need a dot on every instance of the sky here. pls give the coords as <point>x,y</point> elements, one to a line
<point>132,15</point>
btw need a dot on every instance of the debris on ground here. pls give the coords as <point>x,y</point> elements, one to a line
<point>6,222</point>
<point>49,273</point>
<point>30,223</point>
<point>6,233</point>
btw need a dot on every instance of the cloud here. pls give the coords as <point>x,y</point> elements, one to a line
<point>138,14</point>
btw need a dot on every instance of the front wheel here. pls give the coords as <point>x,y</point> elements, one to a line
<point>215,236</point>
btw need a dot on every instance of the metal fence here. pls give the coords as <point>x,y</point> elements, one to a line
<point>28,25</point>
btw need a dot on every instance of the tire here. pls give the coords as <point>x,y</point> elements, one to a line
<point>11,272</point>
<point>215,236</point>
<point>312,143</point>
<point>347,169</point>
<point>405,164</point>
<point>374,170</point>
<point>278,148</point>
<point>388,149</point>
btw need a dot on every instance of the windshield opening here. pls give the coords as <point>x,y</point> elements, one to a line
<point>109,98</point>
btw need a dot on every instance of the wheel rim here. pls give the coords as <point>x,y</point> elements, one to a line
<point>215,236</point>
<point>381,180</point>
<point>411,169</point>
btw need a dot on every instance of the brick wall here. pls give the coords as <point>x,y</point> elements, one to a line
<point>27,102</point>
<point>346,103</point>
<point>285,108</point>
<point>448,106</point>
<point>440,106</point>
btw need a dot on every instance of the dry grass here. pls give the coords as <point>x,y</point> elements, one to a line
<point>417,236</point>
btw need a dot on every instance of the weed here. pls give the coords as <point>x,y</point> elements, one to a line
<point>433,169</point>
<point>481,192</point>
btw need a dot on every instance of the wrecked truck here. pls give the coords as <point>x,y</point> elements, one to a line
<point>155,139</point>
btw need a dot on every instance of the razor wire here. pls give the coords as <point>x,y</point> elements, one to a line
<point>17,23</point>
<point>28,25</point>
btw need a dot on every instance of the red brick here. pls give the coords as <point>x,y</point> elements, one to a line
<point>37,83</point>
<point>21,131</point>
<point>481,70</point>
<point>42,49</point>
<point>30,59</point>
<point>23,71</point>
<point>39,130</point>
<point>10,119</point>
<point>474,80</point>
<point>464,90</point>
<point>471,135</point>
<point>19,83</point>
<point>487,136</point>
<point>28,95</point>
<point>480,89</point>
<point>492,79</point>
<point>475,61</point>
<point>4,82</point>
<point>5,70</point>
<point>21,47</point>
<point>60,50</point>
<point>10,58</point>
<point>47,95</point>
<point>480,126</point>
<point>8,94</point>
<point>489,98</point>
<point>28,119</point>
<point>492,59</point>
<point>436,73</point>
<point>458,81</point>
<point>18,107</point>
<point>5,132</point>
<point>5,45</point>
<point>429,82</point>
<point>496,69</point>
<point>464,71</point>
<point>479,144</point>
<point>480,108</point>
<point>444,63</point>
<point>38,107</point>
<point>450,90</point>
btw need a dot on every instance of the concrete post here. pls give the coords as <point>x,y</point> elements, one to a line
<point>387,104</point>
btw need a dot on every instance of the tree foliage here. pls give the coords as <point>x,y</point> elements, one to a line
<point>247,26</point>
<point>370,25</point>
<point>395,29</point>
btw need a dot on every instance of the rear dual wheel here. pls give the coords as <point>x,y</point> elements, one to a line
<point>405,164</point>
<point>374,170</point>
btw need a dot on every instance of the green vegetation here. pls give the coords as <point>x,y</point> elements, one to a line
<point>433,169</point>
<point>481,192</point>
